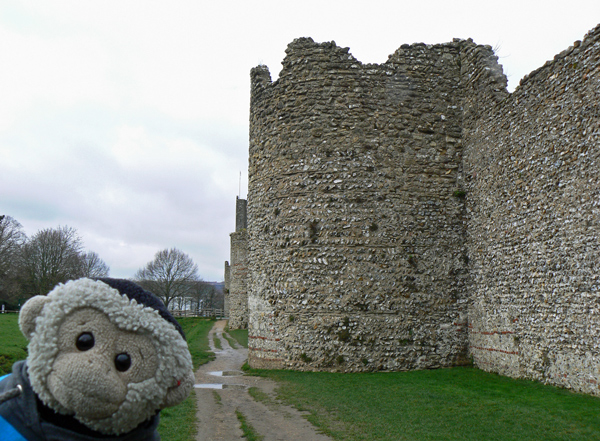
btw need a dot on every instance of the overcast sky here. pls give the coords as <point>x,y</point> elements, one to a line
<point>128,120</point>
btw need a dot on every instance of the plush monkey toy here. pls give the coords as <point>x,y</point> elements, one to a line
<point>104,357</point>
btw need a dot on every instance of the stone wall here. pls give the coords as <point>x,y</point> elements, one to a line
<point>356,231</point>
<point>388,203</point>
<point>533,197</point>
<point>241,214</point>
<point>236,273</point>
<point>226,286</point>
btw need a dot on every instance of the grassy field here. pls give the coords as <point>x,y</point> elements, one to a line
<point>177,423</point>
<point>196,331</point>
<point>13,346</point>
<point>443,404</point>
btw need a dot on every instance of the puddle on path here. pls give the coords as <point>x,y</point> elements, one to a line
<point>219,386</point>
<point>226,373</point>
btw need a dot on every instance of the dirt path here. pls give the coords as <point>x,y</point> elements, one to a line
<point>217,406</point>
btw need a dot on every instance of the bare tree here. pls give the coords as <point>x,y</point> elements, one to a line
<point>11,241</point>
<point>93,266</point>
<point>218,299</point>
<point>200,295</point>
<point>209,295</point>
<point>50,257</point>
<point>170,275</point>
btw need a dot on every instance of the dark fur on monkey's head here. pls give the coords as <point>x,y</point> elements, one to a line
<point>106,352</point>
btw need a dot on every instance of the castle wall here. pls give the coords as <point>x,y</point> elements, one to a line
<point>241,214</point>
<point>356,221</point>
<point>236,273</point>
<point>226,287</point>
<point>533,195</point>
<point>238,291</point>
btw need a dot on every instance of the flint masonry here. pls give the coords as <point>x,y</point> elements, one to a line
<point>415,214</point>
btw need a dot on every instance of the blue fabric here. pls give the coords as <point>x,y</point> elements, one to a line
<point>3,377</point>
<point>8,432</point>
<point>21,420</point>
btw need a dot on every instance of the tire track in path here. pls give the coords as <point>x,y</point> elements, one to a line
<point>219,396</point>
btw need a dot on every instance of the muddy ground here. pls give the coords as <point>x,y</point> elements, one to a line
<point>221,389</point>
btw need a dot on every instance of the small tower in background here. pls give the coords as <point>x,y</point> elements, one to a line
<point>236,270</point>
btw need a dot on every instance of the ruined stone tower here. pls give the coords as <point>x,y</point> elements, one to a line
<point>357,252</point>
<point>414,214</point>
<point>236,295</point>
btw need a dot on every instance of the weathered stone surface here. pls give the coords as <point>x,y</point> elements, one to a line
<point>236,273</point>
<point>356,252</point>
<point>227,286</point>
<point>531,174</point>
<point>411,214</point>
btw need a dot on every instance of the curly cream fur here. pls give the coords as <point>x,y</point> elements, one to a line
<point>143,399</point>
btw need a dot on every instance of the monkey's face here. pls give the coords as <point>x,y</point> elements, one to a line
<point>110,362</point>
<point>96,362</point>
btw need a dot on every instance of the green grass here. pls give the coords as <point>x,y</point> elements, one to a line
<point>249,432</point>
<point>179,423</point>
<point>217,342</point>
<point>443,404</point>
<point>231,341</point>
<point>13,345</point>
<point>261,397</point>
<point>196,331</point>
<point>240,335</point>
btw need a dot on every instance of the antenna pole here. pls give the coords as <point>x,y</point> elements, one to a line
<point>240,189</point>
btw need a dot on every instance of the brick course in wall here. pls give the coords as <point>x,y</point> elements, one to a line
<point>411,214</point>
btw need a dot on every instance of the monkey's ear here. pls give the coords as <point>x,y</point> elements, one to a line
<point>29,312</point>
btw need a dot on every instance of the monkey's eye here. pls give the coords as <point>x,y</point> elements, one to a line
<point>123,362</point>
<point>85,341</point>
